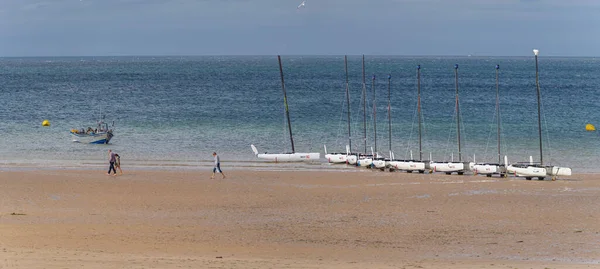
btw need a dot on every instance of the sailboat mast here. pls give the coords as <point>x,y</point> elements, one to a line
<point>348,102</point>
<point>374,115</point>
<point>287,111</point>
<point>498,111</point>
<point>537,85</point>
<point>419,108</point>
<point>364,105</point>
<point>457,112</point>
<point>390,112</point>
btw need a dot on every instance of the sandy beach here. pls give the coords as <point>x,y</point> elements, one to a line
<point>271,219</point>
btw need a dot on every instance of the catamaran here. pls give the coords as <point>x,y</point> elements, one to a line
<point>531,169</point>
<point>499,168</point>
<point>413,165</point>
<point>378,161</point>
<point>364,160</point>
<point>290,156</point>
<point>389,160</point>
<point>459,167</point>
<point>344,157</point>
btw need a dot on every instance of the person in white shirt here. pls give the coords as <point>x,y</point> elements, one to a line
<point>217,167</point>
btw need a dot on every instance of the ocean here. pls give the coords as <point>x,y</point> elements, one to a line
<point>173,112</point>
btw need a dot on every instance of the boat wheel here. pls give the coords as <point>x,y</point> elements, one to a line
<point>448,173</point>
<point>421,171</point>
<point>488,175</point>
<point>528,178</point>
<point>460,173</point>
<point>408,171</point>
<point>540,178</point>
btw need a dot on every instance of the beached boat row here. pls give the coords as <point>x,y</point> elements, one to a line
<point>374,160</point>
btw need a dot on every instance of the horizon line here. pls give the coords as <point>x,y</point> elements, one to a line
<point>264,55</point>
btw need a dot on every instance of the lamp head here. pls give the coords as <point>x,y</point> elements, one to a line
<point>418,67</point>
<point>497,66</point>
<point>536,52</point>
<point>456,66</point>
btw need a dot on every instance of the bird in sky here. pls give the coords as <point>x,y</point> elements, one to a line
<point>302,4</point>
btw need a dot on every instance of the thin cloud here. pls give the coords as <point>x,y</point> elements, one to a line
<point>59,27</point>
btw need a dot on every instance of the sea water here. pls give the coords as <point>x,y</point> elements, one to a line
<point>173,112</point>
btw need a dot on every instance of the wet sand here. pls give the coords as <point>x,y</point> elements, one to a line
<point>270,219</point>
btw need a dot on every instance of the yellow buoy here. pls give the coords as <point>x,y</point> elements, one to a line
<point>590,127</point>
<point>46,123</point>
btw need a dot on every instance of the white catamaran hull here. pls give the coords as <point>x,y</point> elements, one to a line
<point>527,171</point>
<point>537,171</point>
<point>290,157</point>
<point>449,167</point>
<point>561,171</point>
<point>287,157</point>
<point>336,158</point>
<point>379,164</point>
<point>352,159</point>
<point>488,169</point>
<point>364,162</point>
<point>408,165</point>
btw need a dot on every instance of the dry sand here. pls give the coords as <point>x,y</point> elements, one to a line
<point>258,219</point>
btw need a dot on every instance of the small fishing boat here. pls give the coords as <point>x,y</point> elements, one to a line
<point>292,156</point>
<point>100,135</point>
<point>531,169</point>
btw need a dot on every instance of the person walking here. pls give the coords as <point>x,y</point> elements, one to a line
<point>217,167</point>
<point>118,163</point>
<point>112,158</point>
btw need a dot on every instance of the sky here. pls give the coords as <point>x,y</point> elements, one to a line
<point>322,27</point>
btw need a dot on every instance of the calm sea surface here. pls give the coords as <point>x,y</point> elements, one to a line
<point>175,111</point>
